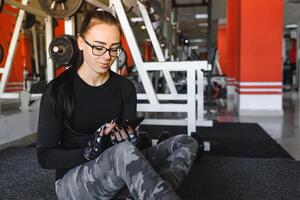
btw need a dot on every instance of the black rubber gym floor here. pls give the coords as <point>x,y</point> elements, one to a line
<point>244,163</point>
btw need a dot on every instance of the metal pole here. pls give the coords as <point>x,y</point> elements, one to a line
<point>70,25</point>
<point>209,87</point>
<point>298,57</point>
<point>35,48</point>
<point>114,66</point>
<point>49,38</point>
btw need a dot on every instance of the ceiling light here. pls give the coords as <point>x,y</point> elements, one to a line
<point>143,27</point>
<point>197,40</point>
<point>291,26</point>
<point>136,19</point>
<point>201,16</point>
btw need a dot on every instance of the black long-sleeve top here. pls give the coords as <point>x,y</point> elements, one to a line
<point>61,149</point>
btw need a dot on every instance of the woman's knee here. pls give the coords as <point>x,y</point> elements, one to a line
<point>185,139</point>
<point>188,141</point>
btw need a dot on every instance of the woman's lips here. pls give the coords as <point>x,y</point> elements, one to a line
<point>104,65</point>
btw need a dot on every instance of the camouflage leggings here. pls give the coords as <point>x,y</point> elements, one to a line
<point>154,173</point>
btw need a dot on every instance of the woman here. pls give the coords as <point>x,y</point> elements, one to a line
<point>93,162</point>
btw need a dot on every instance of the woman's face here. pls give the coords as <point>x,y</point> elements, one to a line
<point>102,37</point>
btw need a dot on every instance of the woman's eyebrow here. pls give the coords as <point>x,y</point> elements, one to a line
<point>104,43</point>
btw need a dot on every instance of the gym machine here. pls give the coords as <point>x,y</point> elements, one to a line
<point>192,68</point>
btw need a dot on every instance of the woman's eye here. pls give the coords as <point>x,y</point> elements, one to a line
<point>115,49</point>
<point>99,48</point>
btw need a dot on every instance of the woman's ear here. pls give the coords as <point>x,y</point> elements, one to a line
<point>80,43</point>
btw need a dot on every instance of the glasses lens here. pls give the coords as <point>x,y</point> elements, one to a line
<point>99,51</point>
<point>114,52</point>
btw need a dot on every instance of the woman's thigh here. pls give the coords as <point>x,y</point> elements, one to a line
<point>92,180</point>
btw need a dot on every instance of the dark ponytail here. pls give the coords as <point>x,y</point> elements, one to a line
<point>65,82</point>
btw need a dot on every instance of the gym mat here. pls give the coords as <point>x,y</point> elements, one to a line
<point>223,178</point>
<point>230,139</point>
<point>212,177</point>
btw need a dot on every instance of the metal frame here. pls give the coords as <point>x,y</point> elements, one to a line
<point>298,56</point>
<point>49,38</point>
<point>194,77</point>
<point>70,25</point>
<point>10,56</point>
<point>156,46</point>
<point>35,50</point>
<point>193,69</point>
<point>158,51</point>
<point>69,29</point>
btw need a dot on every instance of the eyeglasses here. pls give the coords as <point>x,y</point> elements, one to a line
<point>100,51</point>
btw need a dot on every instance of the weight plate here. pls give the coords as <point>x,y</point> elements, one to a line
<point>60,8</point>
<point>62,50</point>
<point>1,53</point>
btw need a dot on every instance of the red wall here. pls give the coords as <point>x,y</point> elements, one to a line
<point>222,47</point>
<point>147,51</point>
<point>261,40</point>
<point>125,46</point>
<point>233,31</point>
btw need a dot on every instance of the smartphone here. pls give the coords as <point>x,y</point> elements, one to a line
<point>134,123</point>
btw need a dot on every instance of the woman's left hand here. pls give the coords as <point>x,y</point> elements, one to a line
<point>120,134</point>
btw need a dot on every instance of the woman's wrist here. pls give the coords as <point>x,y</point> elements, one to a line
<point>96,145</point>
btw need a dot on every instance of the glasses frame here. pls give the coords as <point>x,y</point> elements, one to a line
<point>106,49</point>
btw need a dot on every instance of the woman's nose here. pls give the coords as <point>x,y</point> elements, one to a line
<point>106,55</point>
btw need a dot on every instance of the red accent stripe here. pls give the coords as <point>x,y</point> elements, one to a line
<point>262,93</point>
<point>257,92</point>
<point>262,87</point>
